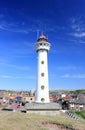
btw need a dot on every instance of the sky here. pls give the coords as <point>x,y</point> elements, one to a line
<point>22,22</point>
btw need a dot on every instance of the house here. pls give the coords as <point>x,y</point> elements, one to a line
<point>77,104</point>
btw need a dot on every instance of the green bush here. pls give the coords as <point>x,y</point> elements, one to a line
<point>79,113</point>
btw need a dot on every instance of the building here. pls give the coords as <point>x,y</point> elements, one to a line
<point>42,47</point>
<point>77,104</point>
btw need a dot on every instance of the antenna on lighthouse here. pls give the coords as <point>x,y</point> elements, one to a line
<point>37,33</point>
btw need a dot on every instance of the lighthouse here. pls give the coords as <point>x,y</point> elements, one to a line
<point>42,89</point>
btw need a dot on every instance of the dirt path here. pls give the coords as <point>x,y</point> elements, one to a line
<point>56,126</point>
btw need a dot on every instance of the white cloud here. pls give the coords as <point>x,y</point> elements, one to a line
<point>65,76</point>
<point>81,41</point>
<point>8,27</point>
<point>18,67</point>
<point>17,77</point>
<point>78,27</point>
<point>6,76</point>
<point>5,63</point>
<point>82,76</point>
<point>66,68</point>
<point>80,34</point>
<point>77,24</point>
<point>1,27</point>
<point>22,51</point>
<point>31,25</point>
<point>23,67</point>
<point>14,27</point>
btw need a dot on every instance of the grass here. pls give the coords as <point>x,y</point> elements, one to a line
<point>4,105</point>
<point>81,114</point>
<point>24,121</point>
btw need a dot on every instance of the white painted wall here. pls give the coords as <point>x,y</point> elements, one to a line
<point>42,68</point>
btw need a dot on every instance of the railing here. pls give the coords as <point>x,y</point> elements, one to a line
<point>72,115</point>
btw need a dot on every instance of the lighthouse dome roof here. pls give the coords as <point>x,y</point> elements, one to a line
<point>42,38</point>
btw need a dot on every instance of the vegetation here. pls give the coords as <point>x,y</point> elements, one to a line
<point>3,105</point>
<point>52,92</point>
<point>24,121</point>
<point>55,92</point>
<point>58,92</point>
<point>81,114</point>
<point>80,91</point>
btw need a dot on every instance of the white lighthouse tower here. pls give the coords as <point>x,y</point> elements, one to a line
<point>42,91</point>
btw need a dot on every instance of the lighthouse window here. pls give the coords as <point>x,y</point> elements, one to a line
<point>42,62</point>
<point>42,99</point>
<point>30,98</point>
<point>42,74</point>
<point>42,87</point>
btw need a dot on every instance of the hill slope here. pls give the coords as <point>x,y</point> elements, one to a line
<point>24,121</point>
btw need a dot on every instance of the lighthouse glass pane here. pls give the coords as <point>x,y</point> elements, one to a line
<point>42,87</point>
<point>42,99</point>
<point>42,74</point>
<point>42,62</point>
